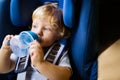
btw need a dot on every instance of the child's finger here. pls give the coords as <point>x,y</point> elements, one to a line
<point>7,40</point>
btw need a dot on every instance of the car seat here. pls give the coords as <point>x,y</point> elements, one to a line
<point>81,15</point>
<point>78,15</point>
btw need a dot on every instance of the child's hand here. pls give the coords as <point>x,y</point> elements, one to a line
<point>5,48</point>
<point>6,64</point>
<point>36,53</point>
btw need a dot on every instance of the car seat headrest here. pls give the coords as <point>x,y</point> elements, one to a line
<point>21,11</point>
<point>68,8</point>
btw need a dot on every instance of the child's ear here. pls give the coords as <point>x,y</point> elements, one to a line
<point>60,35</point>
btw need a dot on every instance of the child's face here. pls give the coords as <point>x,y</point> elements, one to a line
<point>48,35</point>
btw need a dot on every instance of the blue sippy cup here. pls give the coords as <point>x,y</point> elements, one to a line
<point>19,45</point>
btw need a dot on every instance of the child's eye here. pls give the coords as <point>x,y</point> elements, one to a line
<point>46,28</point>
<point>34,26</point>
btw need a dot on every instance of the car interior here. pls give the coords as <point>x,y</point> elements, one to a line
<point>94,43</point>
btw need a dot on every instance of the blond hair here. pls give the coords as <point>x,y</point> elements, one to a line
<point>55,16</point>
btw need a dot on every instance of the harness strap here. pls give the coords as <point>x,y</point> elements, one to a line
<point>54,53</point>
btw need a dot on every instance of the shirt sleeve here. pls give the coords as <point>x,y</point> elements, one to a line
<point>64,61</point>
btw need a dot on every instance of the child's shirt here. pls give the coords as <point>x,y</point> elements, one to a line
<point>33,74</point>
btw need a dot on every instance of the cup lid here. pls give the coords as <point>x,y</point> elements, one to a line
<point>26,37</point>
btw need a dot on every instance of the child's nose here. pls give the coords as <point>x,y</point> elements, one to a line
<point>39,31</point>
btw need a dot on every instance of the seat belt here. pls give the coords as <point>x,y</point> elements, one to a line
<point>53,55</point>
